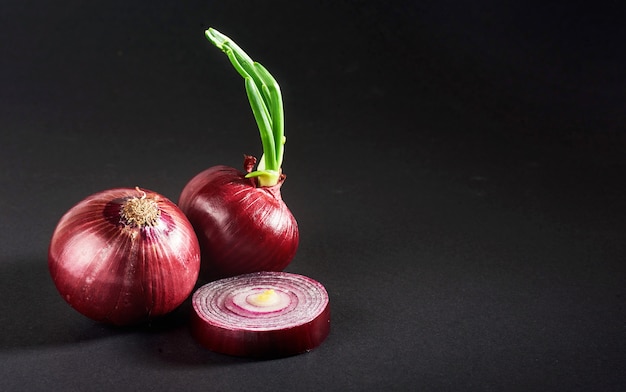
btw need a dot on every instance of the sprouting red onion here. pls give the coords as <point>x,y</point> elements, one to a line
<point>263,314</point>
<point>241,227</point>
<point>123,256</point>
<point>241,221</point>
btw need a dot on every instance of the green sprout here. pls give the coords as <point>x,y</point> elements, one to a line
<point>266,103</point>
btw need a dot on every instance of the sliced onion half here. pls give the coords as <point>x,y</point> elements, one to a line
<point>263,314</point>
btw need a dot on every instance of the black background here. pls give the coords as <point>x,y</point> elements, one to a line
<point>456,169</point>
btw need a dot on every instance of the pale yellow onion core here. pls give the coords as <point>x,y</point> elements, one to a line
<point>265,298</point>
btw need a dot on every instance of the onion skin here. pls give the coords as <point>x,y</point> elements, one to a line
<point>242,228</point>
<point>121,272</point>
<point>219,324</point>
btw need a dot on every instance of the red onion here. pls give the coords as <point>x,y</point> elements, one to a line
<point>263,314</point>
<point>242,228</point>
<point>123,256</point>
<point>240,219</point>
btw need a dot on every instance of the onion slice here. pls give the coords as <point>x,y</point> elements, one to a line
<point>262,314</point>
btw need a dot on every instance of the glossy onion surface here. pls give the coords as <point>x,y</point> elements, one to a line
<point>292,315</point>
<point>121,270</point>
<point>241,228</point>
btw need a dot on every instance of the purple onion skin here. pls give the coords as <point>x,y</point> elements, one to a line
<point>242,228</point>
<point>118,273</point>
<point>262,344</point>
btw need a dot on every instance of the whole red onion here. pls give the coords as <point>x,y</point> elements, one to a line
<point>242,223</point>
<point>263,314</point>
<point>241,227</point>
<point>123,256</point>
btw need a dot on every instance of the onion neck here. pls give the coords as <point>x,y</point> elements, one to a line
<point>266,178</point>
<point>140,211</point>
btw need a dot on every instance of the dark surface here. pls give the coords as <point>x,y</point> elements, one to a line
<point>457,172</point>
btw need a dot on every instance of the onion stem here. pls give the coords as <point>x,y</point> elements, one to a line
<point>267,106</point>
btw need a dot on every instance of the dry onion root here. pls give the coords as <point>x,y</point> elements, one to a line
<point>262,314</point>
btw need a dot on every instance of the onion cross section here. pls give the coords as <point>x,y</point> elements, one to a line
<point>262,314</point>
